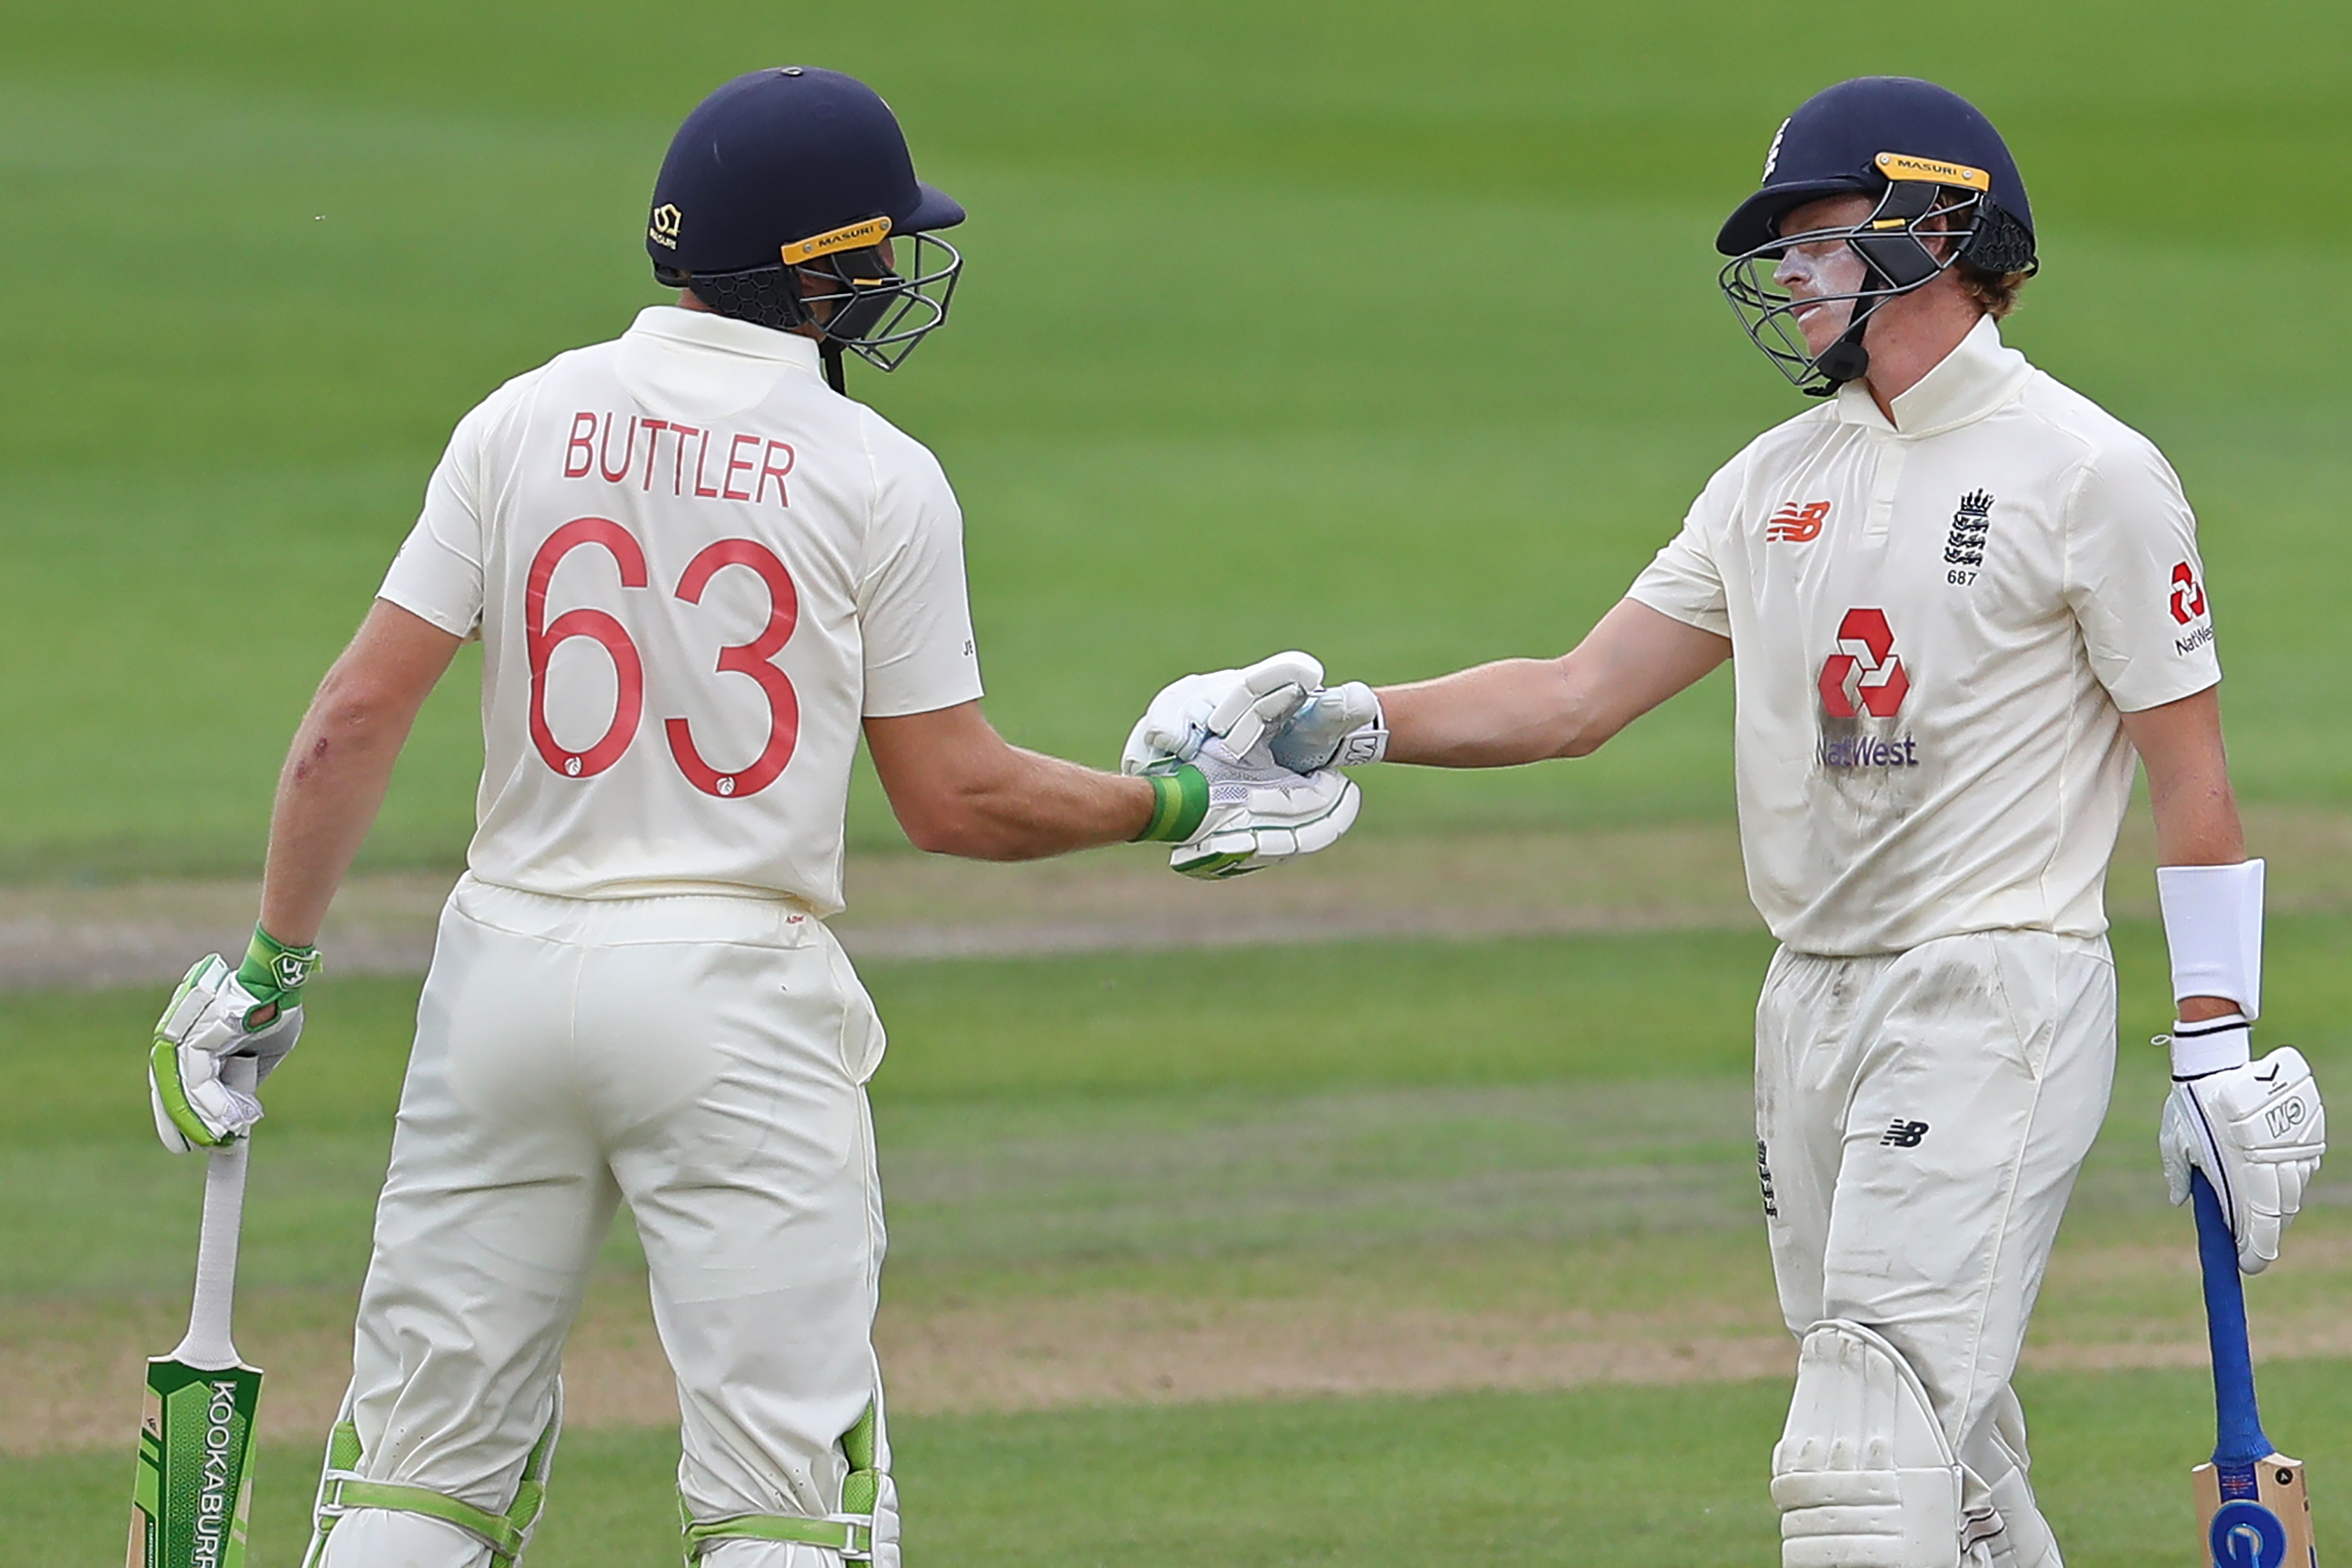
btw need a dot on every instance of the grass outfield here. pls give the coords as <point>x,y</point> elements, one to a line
<point>1545,1138</point>
<point>1418,322</point>
<point>1589,1475</point>
<point>1415,1063</point>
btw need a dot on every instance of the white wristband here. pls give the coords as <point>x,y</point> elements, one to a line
<point>2213,924</point>
<point>2211,1045</point>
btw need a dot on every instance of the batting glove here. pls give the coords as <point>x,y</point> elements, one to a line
<point>1239,706</point>
<point>2257,1130</point>
<point>1339,727</point>
<point>254,1011</point>
<point>1252,813</point>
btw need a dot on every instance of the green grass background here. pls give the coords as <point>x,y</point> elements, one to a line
<point>1620,1478</point>
<point>1385,330</point>
<point>1389,330</point>
<point>1460,1126</point>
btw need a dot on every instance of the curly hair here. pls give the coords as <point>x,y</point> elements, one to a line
<point>1996,292</point>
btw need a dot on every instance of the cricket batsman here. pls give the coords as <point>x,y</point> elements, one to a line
<point>1960,600</point>
<point>698,572</point>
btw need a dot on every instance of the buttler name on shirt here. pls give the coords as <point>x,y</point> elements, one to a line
<point>711,464</point>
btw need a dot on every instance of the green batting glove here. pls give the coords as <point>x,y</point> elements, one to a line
<point>254,1011</point>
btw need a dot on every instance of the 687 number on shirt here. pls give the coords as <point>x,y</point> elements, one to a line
<point>754,659</point>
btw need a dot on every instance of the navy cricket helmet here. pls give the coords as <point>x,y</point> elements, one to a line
<point>1946,187</point>
<point>783,201</point>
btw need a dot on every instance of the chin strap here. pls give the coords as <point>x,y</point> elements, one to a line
<point>1843,361</point>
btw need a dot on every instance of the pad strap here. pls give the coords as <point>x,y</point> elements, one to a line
<point>1180,802</point>
<point>852,1536</point>
<point>849,1532</point>
<point>502,1535</point>
<point>505,1534</point>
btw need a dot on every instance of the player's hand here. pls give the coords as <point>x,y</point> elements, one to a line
<point>1336,726</point>
<point>216,1015</point>
<point>1239,706</point>
<point>2257,1130</point>
<point>1262,814</point>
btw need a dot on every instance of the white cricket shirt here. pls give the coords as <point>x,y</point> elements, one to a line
<point>1936,627</point>
<point>694,569</point>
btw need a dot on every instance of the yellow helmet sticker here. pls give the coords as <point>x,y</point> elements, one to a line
<point>1903,166</point>
<point>856,237</point>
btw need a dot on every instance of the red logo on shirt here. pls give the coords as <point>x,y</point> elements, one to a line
<point>1864,675</point>
<point>2188,593</point>
<point>1794,525</point>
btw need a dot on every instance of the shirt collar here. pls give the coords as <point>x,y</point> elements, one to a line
<point>714,334</point>
<point>1978,376</point>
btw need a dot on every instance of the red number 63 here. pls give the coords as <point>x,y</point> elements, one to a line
<point>542,636</point>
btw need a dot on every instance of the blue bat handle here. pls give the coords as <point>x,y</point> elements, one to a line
<point>2240,1439</point>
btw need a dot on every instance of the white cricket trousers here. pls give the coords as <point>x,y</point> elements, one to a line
<point>702,1058</point>
<point>1920,1119</point>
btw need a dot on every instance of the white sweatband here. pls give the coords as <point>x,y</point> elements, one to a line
<point>2211,1045</point>
<point>2213,925</point>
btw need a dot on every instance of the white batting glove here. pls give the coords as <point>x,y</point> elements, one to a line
<point>1262,814</point>
<point>1339,727</point>
<point>2258,1132</point>
<point>217,1015</point>
<point>1236,706</point>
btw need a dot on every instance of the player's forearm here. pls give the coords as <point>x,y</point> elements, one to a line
<point>1026,807</point>
<point>329,793</point>
<point>1526,709</point>
<point>2188,782</point>
<point>2196,811</point>
<point>1493,716</point>
<point>959,788</point>
<point>340,764</point>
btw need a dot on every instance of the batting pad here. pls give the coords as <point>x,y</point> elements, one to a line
<point>1863,1475</point>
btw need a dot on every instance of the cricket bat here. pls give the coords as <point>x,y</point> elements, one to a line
<point>2252,1508</point>
<point>194,1482</point>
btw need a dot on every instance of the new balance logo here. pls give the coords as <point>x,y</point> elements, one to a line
<point>1794,525</point>
<point>1902,1134</point>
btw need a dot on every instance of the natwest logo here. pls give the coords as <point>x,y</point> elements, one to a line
<point>1794,525</point>
<point>1864,675</point>
<point>2188,593</point>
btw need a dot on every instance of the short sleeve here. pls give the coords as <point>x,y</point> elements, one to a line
<point>2134,583</point>
<point>437,575</point>
<point>914,612</point>
<point>1683,580</point>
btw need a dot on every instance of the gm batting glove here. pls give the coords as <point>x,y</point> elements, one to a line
<point>2258,1132</point>
<point>254,1011</point>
